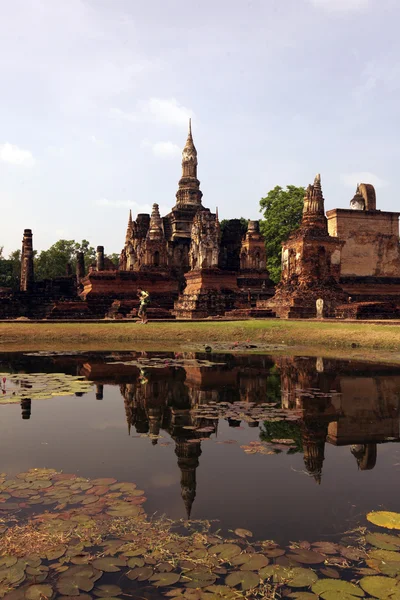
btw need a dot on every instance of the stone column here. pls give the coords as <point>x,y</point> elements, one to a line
<point>80,266</point>
<point>27,275</point>
<point>100,258</point>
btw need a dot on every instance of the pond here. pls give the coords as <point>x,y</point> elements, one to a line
<point>289,448</point>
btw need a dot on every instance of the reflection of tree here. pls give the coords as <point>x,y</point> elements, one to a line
<point>274,393</point>
<point>275,430</point>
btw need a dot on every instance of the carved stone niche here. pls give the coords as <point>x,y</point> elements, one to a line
<point>204,248</point>
<point>252,253</point>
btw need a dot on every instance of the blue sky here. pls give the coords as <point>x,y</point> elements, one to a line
<point>95,97</point>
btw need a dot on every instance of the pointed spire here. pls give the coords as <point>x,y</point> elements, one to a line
<point>314,200</point>
<point>189,186</point>
<point>216,214</point>
<point>189,153</point>
<point>131,227</point>
<point>156,226</point>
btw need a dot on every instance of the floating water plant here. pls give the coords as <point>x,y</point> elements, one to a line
<point>68,536</point>
<point>40,386</point>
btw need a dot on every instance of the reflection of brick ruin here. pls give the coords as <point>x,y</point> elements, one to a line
<point>342,404</point>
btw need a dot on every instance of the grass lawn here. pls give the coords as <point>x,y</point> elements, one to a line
<point>310,334</point>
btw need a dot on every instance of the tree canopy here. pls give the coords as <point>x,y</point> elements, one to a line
<point>10,269</point>
<point>226,224</point>
<point>282,211</point>
<point>53,262</point>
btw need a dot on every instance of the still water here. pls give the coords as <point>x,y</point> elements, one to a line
<point>290,448</point>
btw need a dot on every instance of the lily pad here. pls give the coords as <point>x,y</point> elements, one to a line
<point>383,518</point>
<point>381,587</point>
<point>246,580</point>
<point>56,553</point>
<point>225,551</point>
<point>104,591</point>
<point>7,561</point>
<point>71,586</point>
<point>39,592</point>
<point>109,564</point>
<point>254,562</point>
<point>308,557</point>
<point>385,541</point>
<point>135,561</point>
<point>292,576</point>
<point>164,579</point>
<point>220,592</point>
<point>199,578</point>
<point>327,588</point>
<point>384,555</point>
<point>243,533</point>
<point>140,573</point>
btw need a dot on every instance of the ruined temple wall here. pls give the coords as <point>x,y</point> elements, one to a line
<point>371,242</point>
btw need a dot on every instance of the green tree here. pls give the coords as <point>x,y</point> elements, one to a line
<point>227,223</point>
<point>114,257</point>
<point>282,211</point>
<point>10,269</point>
<point>53,262</point>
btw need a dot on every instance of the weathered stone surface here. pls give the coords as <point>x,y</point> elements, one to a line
<point>310,265</point>
<point>371,242</point>
<point>208,292</point>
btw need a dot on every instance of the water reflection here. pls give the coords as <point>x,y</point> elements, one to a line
<point>337,403</point>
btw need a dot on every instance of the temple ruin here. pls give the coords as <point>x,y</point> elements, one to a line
<point>341,264</point>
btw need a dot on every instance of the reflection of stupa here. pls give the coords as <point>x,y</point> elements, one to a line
<point>155,414</point>
<point>365,455</point>
<point>26,408</point>
<point>188,454</point>
<point>313,438</point>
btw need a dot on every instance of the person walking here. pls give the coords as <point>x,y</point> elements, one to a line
<point>144,298</point>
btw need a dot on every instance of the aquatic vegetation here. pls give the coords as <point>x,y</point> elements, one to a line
<point>390,520</point>
<point>249,412</point>
<point>40,386</point>
<point>67,536</point>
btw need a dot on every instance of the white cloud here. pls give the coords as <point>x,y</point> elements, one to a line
<point>352,179</point>
<point>14,155</point>
<point>341,6</point>
<point>167,111</point>
<point>163,149</point>
<point>98,142</point>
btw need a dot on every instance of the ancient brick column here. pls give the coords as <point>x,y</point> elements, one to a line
<point>27,275</point>
<point>100,258</point>
<point>80,266</point>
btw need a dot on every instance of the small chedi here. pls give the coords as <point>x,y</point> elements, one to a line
<point>341,264</point>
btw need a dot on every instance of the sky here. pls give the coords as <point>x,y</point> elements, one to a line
<point>95,97</point>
